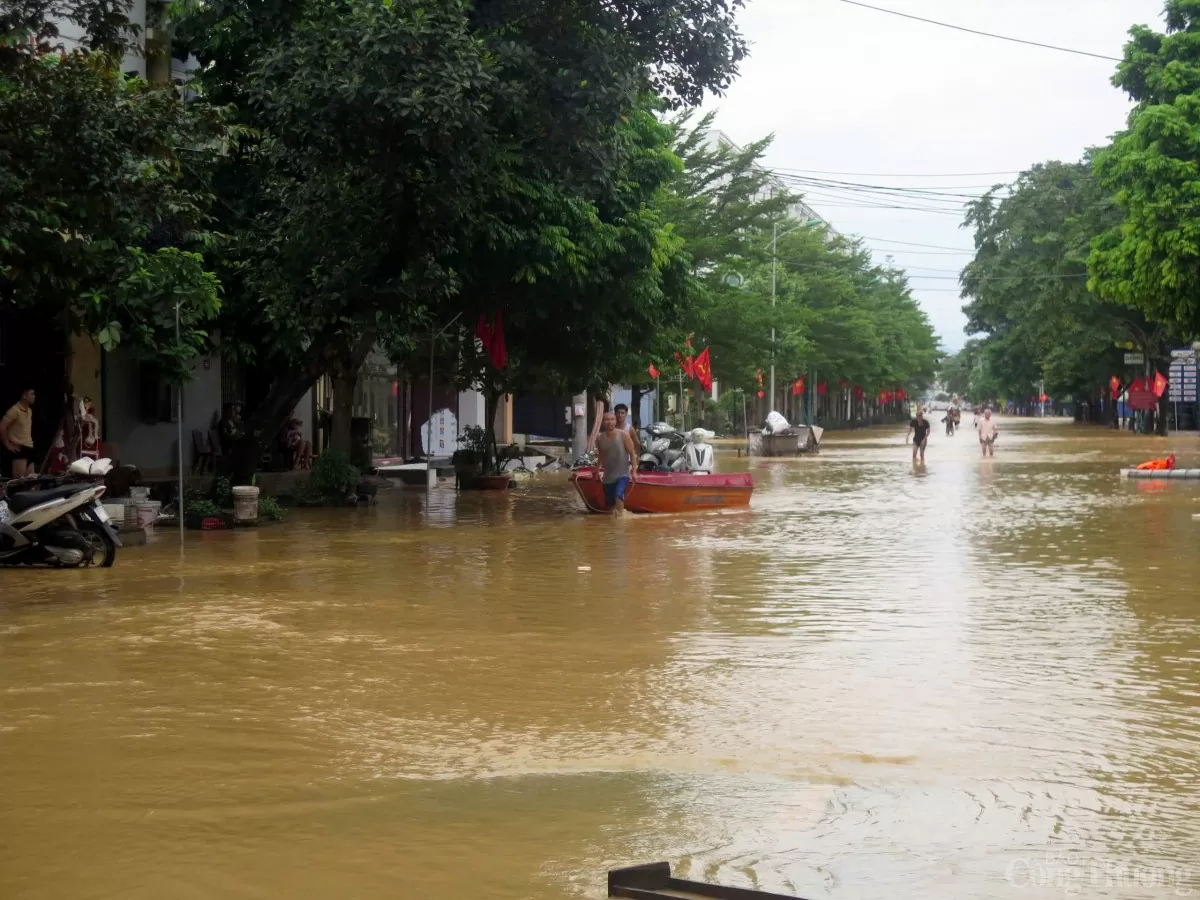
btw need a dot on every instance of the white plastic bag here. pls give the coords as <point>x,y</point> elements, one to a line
<point>776,422</point>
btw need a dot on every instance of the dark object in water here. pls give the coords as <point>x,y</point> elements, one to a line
<point>653,881</point>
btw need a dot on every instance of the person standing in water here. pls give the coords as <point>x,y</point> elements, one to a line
<point>987,433</point>
<point>623,424</point>
<point>618,462</point>
<point>918,430</point>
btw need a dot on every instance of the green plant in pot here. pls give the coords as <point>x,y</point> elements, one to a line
<point>469,457</point>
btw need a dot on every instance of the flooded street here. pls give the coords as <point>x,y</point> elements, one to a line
<point>980,680</point>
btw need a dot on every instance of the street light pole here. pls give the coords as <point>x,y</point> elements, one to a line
<point>429,425</point>
<point>179,432</point>
<point>774,257</point>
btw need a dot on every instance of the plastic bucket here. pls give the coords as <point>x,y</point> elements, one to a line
<point>147,513</point>
<point>245,504</point>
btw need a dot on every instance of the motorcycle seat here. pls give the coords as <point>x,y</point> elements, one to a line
<point>23,500</point>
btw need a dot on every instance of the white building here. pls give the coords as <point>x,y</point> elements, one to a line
<point>800,211</point>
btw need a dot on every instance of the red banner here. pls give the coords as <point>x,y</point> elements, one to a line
<point>1114,386</point>
<point>798,386</point>
<point>1141,395</point>
<point>822,388</point>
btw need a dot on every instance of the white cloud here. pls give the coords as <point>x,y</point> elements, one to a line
<point>848,89</point>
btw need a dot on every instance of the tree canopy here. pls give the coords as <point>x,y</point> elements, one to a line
<point>103,196</point>
<point>1152,260</point>
<point>404,150</point>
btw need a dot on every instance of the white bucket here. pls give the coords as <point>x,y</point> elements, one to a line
<point>147,513</point>
<point>245,504</point>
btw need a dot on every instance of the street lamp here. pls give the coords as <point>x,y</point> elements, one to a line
<point>775,236</point>
<point>434,335</point>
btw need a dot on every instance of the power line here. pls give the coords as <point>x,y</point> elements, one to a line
<point>910,244</point>
<point>1001,37</point>
<point>891,251</point>
<point>899,174</point>
<point>919,193</point>
<point>902,271</point>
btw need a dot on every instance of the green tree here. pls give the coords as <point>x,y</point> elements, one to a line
<point>103,198</point>
<point>396,136</point>
<point>583,286</point>
<point>1152,260</point>
<point>1028,287</point>
<point>721,203</point>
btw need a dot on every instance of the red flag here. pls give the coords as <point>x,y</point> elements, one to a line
<point>687,364</point>
<point>1045,397</point>
<point>702,369</point>
<point>653,370</point>
<point>492,338</point>
<point>798,386</point>
<point>1114,386</point>
<point>858,392</point>
<point>900,395</point>
<point>499,349</point>
<point>1160,384</point>
<point>822,388</point>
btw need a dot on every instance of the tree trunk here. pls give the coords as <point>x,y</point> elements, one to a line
<point>344,377</point>
<point>344,384</point>
<point>491,459</point>
<point>263,423</point>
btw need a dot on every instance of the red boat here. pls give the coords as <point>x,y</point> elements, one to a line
<point>669,492</point>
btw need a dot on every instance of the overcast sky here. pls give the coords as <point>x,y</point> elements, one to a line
<point>846,89</point>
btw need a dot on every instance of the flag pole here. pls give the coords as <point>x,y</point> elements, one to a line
<point>657,401</point>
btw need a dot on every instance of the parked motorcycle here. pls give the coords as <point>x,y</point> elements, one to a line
<point>668,450</point>
<point>699,456</point>
<point>662,449</point>
<point>58,520</point>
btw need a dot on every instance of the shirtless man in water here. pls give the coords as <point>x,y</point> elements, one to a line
<point>987,433</point>
<point>618,462</point>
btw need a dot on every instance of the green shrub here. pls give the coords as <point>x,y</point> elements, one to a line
<point>200,508</point>
<point>269,508</point>
<point>332,480</point>
<point>332,474</point>
<point>222,492</point>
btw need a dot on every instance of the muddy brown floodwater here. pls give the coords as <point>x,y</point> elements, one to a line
<point>980,680</point>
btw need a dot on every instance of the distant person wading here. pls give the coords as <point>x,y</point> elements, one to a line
<point>987,433</point>
<point>918,430</point>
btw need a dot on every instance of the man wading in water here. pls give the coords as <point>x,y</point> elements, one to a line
<point>919,429</point>
<point>618,460</point>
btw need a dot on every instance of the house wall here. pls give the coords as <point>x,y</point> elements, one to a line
<point>152,446</point>
<point>624,395</point>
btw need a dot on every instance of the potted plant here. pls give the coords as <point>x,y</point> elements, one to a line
<point>468,459</point>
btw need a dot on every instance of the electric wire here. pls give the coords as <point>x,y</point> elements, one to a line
<point>1000,37</point>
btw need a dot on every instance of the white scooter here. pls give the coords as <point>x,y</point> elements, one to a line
<point>57,520</point>
<point>698,454</point>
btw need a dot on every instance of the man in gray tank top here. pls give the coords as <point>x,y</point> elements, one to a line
<point>618,460</point>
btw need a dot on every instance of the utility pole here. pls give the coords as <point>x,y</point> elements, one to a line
<point>775,236</point>
<point>579,432</point>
